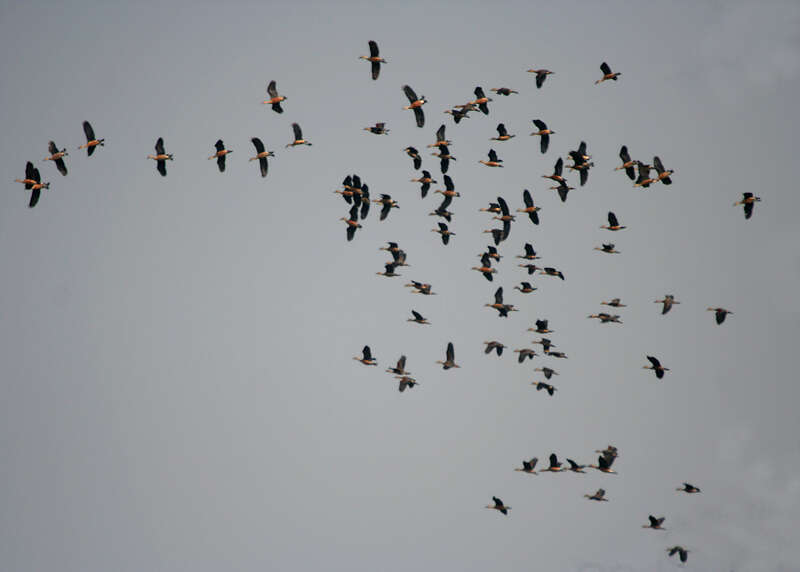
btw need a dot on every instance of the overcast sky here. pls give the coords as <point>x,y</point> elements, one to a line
<point>178,389</point>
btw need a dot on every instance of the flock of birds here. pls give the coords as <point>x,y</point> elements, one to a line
<point>355,193</point>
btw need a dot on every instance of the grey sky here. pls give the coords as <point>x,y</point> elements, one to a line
<point>177,385</point>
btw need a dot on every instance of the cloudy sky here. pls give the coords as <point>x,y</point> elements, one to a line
<point>178,389</point>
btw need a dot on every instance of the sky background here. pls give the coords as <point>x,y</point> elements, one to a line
<point>178,389</point>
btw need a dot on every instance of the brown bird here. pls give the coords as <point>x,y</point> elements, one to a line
<point>627,163</point>
<point>549,271</point>
<point>414,154</point>
<point>416,104</point>
<point>607,248</point>
<point>575,467</point>
<point>606,318</point>
<point>33,183</point>
<point>541,328</point>
<point>418,318</point>
<point>615,302</point>
<point>91,140</point>
<point>220,155</point>
<point>504,90</point>
<point>542,385</point>
<point>298,137</point>
<point>400,368</point>
<point>493,161</point>
<point>57,157</point>
<point>425,182</point>
<point>389,271</point>
<point>607,73</point>
<point>498,505</point>
<point>530,209</point>
<point>525,353</point>
<point>644,179</point>
<point>548,372</point>
<point>444,158</point>
<point>541,75</point>
<point>481,100</point>
<point>502,133</point>
<point>486,267</point>
<point>748,201</point>
<point>604,463</point>
<point>560,355</point>
<point>655,523</point>
<point>377,129</point>
<point>261,157</point>
<point>544,133</point>
<point>161,157</point>
<point>688,488</point>
<point>683,554</point>
<point>546,345</point>
<point>663,174</point>
<point>405,381</point>
<point>656,366</point>
<point>352,223</point>
<point>366,357</point>
<point>525,288</point>
<point>388,204</point>
<point>375,60</point>
<point>563,190</point>
<point>502,309</point>
<point>274,99</point>
<point>420,288</point>
<point>555,465</point>
<point>613,223</point>
<point>450,358</point>
<point>441,139</point>
<point>493,345</point>
<point>444,232</point>
<point>558,168</point>
<point>528,466</point>
<point>719,313</point>
<point>667,303</point>
<point>598,496</point>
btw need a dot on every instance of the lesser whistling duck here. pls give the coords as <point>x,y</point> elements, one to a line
<point>399,257</point>
<point>528,466</point>
<point>530,209</point>
<point>560,355</point>
<point>352,223</point>
<point>481,100</point>
<point>525,288</point>
<point>688,488</point>
<point>628,164</point>
<point>548,372</point>
<point>597,496</point>
<point>416,104</point>
<point>444,158</point>
<point>663,174</point>
<point>441,139</point>
<point>498,234</point>
<point>220,155</point>
<point>656,366</point>
<point>400,368</point>
<point>274,99</point>
<point>492,208</point>
<point>719,313</point>
<point>575,467</point>
<point>161,157</point>
<point>615,303</point>
<point>493,345</point>
<point>503,90</point>
<point>91,140</point>
<point>683,554</point>
<point>530,253</point>
<point>414,154</point>
<point>607,73</point>
<point>502,309</point>
<point>493,161</point>
<point>525,353</point>
<point>550,271</point>
<point>388,204</point>
<point>613,223</point>
<point>555,465</point>
<point>486,267</point>
<point>444,232</point>
<point>492,252</point>
<point>442,211</point>
<point>449,188</point>
<point>502,133</point>
<point>298,137</point>
<point>389,270</point>
<point>425,181</point>
<point>457,114</point>
<point>57,156</point>
<point>374,59</point>
<point>546,345</point>
<point>33,182</point>
<point>378,129</point>
<point>608,248</point>
<point>498,505</point>
<point>366,357</point>
<point>558,168</point>
<point>541,75</point>
<point>261,157</point>
<point>655,523</point>
<point>420,288</point>
<point>604,463</point>
<point>667,303</point>
<point>450,358</point>
<point>418,318</point>
<point>29,180</point>
<point>544,133</point>
<point>563,190</point>
<point>609,451</point>
<point>606,318</point>
<point>405,381</point>
<point>748,202</point>
<point>541,328</point>
<point>644,180</point>
<point>542,385</point>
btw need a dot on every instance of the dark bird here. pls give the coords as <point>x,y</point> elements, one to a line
<point>261,157</point>
<point>503,90</point>
<point>530,209</point>
<point>502,134</point>
<point>528,466</point>
<point>298,137</point>
<point>498,505</point>
<point>405,381</point>
<point>444,232</point>
<point>530,253</point>
<point>542,385</point>
<point>378,129</point>
<point>688,488</point>
<point>414,154</point>
<point>416,104</point>
<point>420,288</point>
<point>644,180</point>
<point>400,368</point>
<point>607,73</point>
<point>444,158</point>
<point>493,161</point>
<point>481,100</point>
<point>418,318</point>
<point>525,287</point>
<point>549,271</point>
<point>441,139</point>
<point>544,133</point>
<point>628,164</point>
<point>663,174</point>
<point>492,252</point>
<point>458,114</point>
<point>548,372</point>
<point>667,303</point>
<point>719,313</point>
<point>388,204</point>
<point>389,271</point>
<point>57,157</point>
<point>498,235</point>
<point>607,248</point>
<point>560,355</point>
<point>502,309</point>
<point>748,202</point>
<point>450,358</point>
<point>274,99</point>
<point>365,202</point>
<point>366,357</point>
<point>606,318</point>
<point>575,467</point>
<point>558,168</point>
<point>449,189</point>
<point>655,523</point>
<point>613,223</point>
<point>604,463</point>
<point>541,75</point>
<point>555,464</point>
<point>496,346</point>
<point>563,190</point>
<point>598,496</point>
<point>492,208</point>
<point>683,554</point>
<point>375,60</point>
<point>425,181</point>
<point>615,302</point>
<point>546,345</point>
<point>486,267</point>
<point>525,353</point>
<point>91,140</point>
<point>161,157</point>
<point>541,327</point>
<point>220,155</point>
<point>352,223</point>
<point>33,182</point>
<point>656,366</point>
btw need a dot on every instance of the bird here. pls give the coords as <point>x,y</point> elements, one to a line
<point>560,355</point>
<point>528,466</point>
<point>613,223</point>
<point>531,210</point>
<point>400,368</point>
<point>502,309</point>
<point>542,385</point>
<point>444,158</point>
<point>655,366</point>
<point>548,372</point>
<point>405,381</point>
<point>655,523</point>
<point>544,133</point>
<point>615,302</point>
<point>481,100</point>
<point>719,313</point>
<point>375,60</point>
<point>418,318</point>
<point>57,157</point>
<point>748,201</point>
<point>298,137</point>
<point>683,554</point>
<point>161,157</point>
<point>563,190</point>
<point>425,182</point>
<point>388,204</point>
<point>274,99</point>
<point>420,288</point>
<point>688,488</point>
<point>599,495</point>
<point>33,182</point>
<point>667,303</point>
<point>492,252</point>
<point>502,134</point>
<point>503,90</point>
<point>365,202</point>
<point>627,163</point>
<point>541,75</point>
<point>541,327</point>
<point>389,270</point>
<point>546,344</point>
<point>444,232</point>
<point>557,171</point>
<point>505,216</point>
<point>663,174</point>
<point>492,208</point>
<point>531,268</point>
<point>442,211</point>
<point>450,357</point>
<point>91,140</point>
<point>493,345</point>
<point>550,271</point>
<point>441,139</point>
<point>607,73</point>
<point>378,129</point>
<point>498,505</point>
<point>555,464</point>
<point>610,451</point>
<point>644,179</point>
<point>414,154</point>
<point>497,235</point>
<point>366,357</point>
<point>399,257</point>
<point>606,318</point>
<point>486,267</point>
<point>525,353</point>
<point>493,161</point>
<point>220,155</point>
<point>261,157</point>
<point>525,288</point>
<point>604,463</point>
<point>352,223</point>
<point>449,189</point>
<point>458,114</point>
<point>416,104</point>
<point>607,248</point>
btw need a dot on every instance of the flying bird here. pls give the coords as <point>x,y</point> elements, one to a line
<point>91,140</point>
<point>261,157</point>
<point>161,157</point>
<point>719,314</point>
<point>375,60</point>
<point>655,523</point>
<point>220,155</point>
<point>274,99</point>
<point>57,157</point>
<point>607,73</point>
<point>498,505</point>
<point>544,133</point>
<point>748,202</point>
<point>416,104</point>
<point>656,366</point>
<point>298,137</point>
<point>449,358</point>
<point>541,75</point>
<point>366,357</point>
